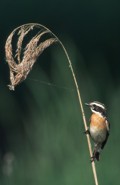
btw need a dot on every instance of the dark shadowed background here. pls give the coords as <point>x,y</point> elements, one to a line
<point>41,129</point>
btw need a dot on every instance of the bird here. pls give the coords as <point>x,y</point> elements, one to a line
<point>99,128</point>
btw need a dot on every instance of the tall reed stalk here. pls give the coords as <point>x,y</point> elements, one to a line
<point>20,68</point>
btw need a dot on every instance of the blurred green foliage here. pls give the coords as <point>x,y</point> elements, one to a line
<point>41,128</point>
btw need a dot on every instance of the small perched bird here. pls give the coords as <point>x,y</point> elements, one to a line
<point>99,127</point>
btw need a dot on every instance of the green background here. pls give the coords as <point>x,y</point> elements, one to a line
<point>41,128</point>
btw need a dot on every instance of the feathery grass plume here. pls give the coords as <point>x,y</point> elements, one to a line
<point>24,58</point>
<point>20,70</point>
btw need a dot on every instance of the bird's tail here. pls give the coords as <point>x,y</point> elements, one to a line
<point>96,155</point>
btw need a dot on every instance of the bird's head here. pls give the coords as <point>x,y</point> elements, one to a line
<point>97,107</point>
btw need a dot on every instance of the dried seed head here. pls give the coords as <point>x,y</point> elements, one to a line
<point>21,66</point>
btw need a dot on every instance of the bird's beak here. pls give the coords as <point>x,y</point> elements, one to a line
<point>87,104</point>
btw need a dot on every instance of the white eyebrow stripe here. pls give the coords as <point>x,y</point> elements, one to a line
<point>99,105</point>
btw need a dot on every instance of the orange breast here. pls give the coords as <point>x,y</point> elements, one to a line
<point>97,121</point>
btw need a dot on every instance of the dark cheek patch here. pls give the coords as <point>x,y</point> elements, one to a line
<point>99,109</point>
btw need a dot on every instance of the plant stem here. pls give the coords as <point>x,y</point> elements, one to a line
<point>83,114</point>
<point>81,106</point>
<point>78,94</point>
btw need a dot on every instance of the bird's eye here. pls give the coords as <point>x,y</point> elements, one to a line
<point>94,107</point>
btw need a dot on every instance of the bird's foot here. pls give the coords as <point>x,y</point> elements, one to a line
<point>87,132</point>
<point>92,159</point>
